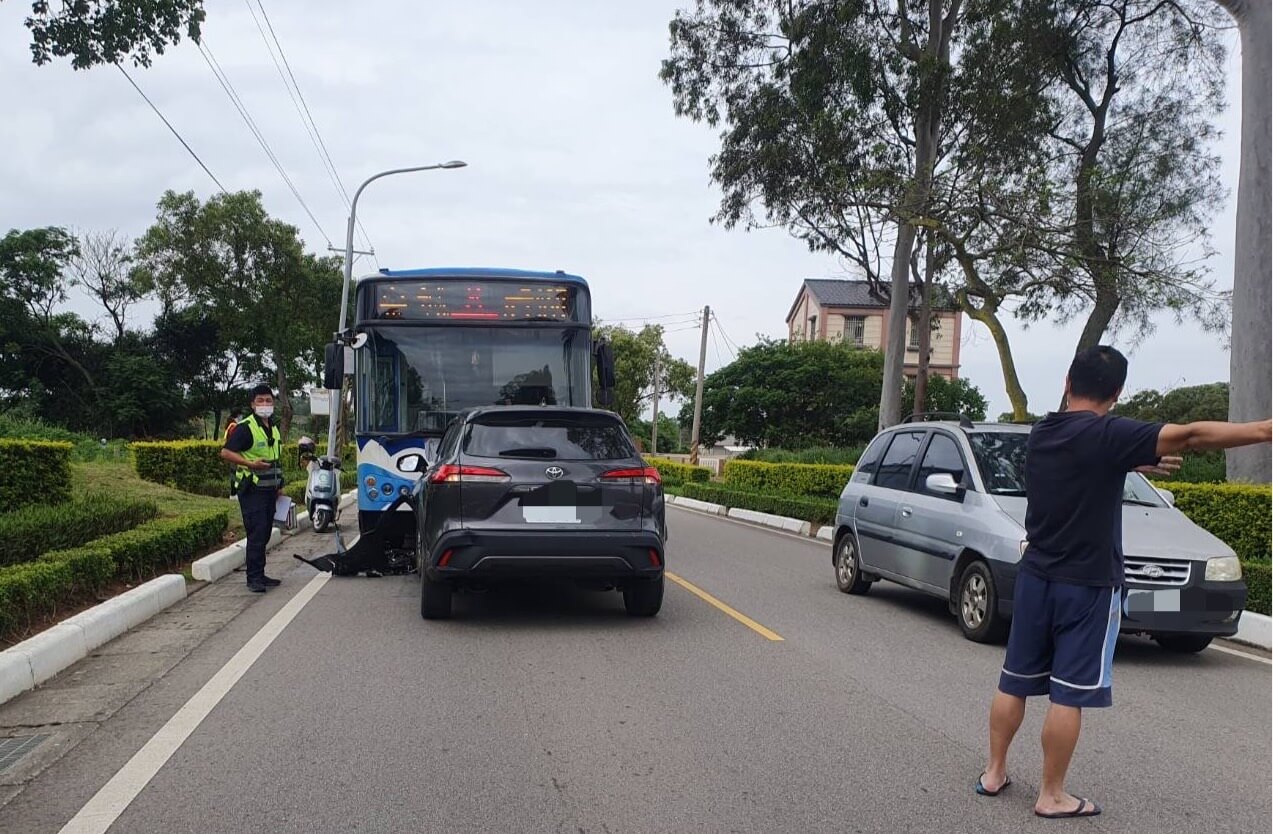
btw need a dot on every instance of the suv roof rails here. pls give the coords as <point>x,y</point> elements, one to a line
<point>964,422</point>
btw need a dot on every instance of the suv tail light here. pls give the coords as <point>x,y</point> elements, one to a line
<point>452,474</point>
<point>648,475</point>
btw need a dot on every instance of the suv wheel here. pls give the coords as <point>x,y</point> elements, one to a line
<point>435,599</point>
<point>848,567</point>
<point>977,605</point>
<point>1183,643</point>
<point>643,599</point>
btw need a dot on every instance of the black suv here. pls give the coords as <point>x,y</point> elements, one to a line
<point>540,492</point>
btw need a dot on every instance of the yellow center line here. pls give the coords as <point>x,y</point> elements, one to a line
<point>714,602</point>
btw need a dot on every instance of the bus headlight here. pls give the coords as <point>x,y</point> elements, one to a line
<point>1224,569</point>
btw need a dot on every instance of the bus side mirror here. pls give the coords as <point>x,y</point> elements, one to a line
<point>605,374</point>
<point>334,366</point>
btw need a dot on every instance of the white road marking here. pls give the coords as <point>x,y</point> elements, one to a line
<point>1246,655</point>
<point>116,795</point>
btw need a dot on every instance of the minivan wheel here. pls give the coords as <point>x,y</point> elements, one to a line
<point>977,605</point>
<point>435,599</point>
<point>1183,643</point>
<point>848,567</point>
<point>643,599</point>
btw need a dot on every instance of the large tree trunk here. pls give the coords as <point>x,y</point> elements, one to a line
<point>933,60</point>
<point>1250,367</point>
<point>988,315</point>
<point>925,326</point>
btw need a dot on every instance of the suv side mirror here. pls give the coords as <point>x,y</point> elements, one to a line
<point>334,366</point>
<point>1168,496</point>
<point>943,483</point>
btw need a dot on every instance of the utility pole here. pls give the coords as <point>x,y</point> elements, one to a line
<point>698,391</point>
<point>654,424</point>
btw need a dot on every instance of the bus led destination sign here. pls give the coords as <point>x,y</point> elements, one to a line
<point>474,301</point>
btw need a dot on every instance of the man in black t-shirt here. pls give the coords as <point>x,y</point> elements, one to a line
<point>1068,597</point>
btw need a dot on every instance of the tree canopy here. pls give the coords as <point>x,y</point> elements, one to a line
<point>93,32</point>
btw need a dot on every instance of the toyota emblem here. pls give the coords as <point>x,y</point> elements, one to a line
<point>554,472</point>
<point>1154,572</point>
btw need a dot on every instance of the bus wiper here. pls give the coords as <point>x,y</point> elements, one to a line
<point>529,452</point>
<point>1139,502</point>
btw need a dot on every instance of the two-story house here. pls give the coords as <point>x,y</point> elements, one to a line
<point>828,309</point>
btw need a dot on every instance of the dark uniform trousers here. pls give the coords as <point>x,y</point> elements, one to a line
<point>257,506</point>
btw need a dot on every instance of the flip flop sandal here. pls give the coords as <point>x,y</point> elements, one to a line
<point>1080,811</point>
<point>982,790</point>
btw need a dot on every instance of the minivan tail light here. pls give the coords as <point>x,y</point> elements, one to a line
<point>648,474</point>
<point>452,474</point>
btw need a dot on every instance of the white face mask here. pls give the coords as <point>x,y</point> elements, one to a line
<point>265,412</point>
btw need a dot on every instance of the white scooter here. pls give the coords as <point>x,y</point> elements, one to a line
<point>322,490</point>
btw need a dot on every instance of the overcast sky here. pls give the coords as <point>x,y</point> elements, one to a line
<point>576,162</point>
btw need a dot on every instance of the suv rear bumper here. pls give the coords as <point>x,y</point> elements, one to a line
<point>611,556</point>
<point>1210,608</point>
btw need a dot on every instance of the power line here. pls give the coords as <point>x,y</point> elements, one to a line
<point>307,118</point>
<point>168,124</point>
<point>657,318</point>
<point>239,105</point>
<point>728,340</point>
<point>716,321</point>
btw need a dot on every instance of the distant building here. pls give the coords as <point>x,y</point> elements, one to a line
<point>831,310</point>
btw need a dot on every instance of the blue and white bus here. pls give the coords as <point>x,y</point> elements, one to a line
<point>429,343</point>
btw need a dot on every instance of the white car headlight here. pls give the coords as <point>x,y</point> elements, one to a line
<point>1224,569</point>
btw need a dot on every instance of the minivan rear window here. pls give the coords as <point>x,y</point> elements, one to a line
<point>549,438</point>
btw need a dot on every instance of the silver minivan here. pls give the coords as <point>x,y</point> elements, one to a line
<point>940,507</point>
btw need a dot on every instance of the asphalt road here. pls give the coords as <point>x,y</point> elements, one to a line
<point>552,711</point>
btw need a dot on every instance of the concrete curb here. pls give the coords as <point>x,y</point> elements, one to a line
<point>1255,629</point>
<point>226,560</point>
<point>826,533</point>
<point>34,661</point>
<point>695,504</point>
<point>778,522</point>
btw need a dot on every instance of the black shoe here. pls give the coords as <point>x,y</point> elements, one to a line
<point>271,582</point>
<point>256,587</point>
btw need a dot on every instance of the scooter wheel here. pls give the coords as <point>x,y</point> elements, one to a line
<point>321,518</point>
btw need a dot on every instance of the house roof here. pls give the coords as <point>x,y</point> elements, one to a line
<point>835,292</point>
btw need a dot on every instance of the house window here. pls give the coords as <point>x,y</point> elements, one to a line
<point>913,345</point>
<point>855,330</point>
<point>813,328</point>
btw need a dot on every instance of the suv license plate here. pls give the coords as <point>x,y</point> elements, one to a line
<point>550,515</point>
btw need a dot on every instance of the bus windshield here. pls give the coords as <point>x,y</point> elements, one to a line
<point>417,379</point>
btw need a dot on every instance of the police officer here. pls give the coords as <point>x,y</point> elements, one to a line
<point>255,448</point>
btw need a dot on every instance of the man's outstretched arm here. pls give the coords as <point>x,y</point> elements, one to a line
<point>1196,437</point>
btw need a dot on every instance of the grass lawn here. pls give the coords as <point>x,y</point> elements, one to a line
<point>118,477</point>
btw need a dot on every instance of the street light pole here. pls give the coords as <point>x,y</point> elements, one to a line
<point>333,418</point>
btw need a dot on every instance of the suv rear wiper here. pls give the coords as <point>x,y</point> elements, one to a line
<point>529,452</point>
<point>1009,493</point>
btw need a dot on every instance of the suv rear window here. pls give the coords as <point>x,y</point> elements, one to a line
<point>549,438</point>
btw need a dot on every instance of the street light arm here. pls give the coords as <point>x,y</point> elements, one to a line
<point>334,418</point>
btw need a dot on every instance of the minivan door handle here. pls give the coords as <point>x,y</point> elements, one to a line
<point>864,501</point>
<point>907,512</point>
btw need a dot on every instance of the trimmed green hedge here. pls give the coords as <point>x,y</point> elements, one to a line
<point>1258,577</point>
<point>65,577</point>
<point>27,533</point>
<point>150,548</point>
<point>816,510</point>
<point>803,480</point>
<point>1238,514</point>
<point>35,472</point>
<point>196,465</point>
<point>674,474</point>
